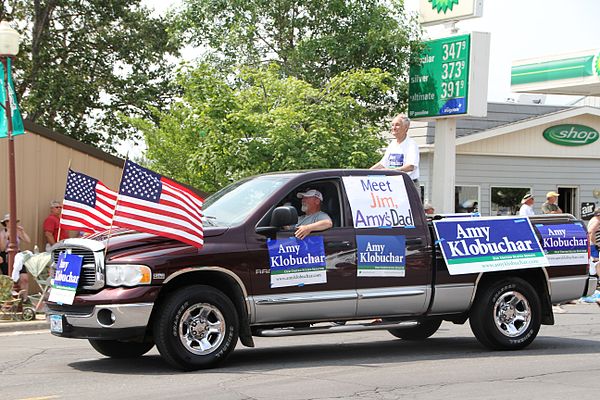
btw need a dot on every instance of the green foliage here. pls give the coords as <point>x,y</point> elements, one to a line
<point>312,40</point>
<point>224,129</point>
<point>83,63</point>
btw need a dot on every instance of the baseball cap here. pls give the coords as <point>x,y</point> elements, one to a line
<point>526,197</point>
<point>311,193</point>
<point>552,194</point>
<point>6,219</point>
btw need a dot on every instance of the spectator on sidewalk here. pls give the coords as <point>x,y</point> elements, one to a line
<point>22,236</point>
<point>550,206</point>
<point>527,206</point>
<point>51,225</point>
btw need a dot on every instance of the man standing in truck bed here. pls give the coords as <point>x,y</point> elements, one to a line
<point>402,153</point>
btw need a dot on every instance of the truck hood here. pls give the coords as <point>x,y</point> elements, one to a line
<point>122,239</point>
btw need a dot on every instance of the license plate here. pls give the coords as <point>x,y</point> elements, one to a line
<point>56,323</point>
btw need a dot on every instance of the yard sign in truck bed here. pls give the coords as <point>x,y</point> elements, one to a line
<point>382,259</point>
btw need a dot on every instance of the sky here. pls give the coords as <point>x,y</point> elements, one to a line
<point>519,29</point>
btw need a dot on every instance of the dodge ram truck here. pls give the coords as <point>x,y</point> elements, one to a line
<point>383,265</point>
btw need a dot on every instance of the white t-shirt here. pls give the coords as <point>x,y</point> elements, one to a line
<point>399,154</point>
<point>526,210</point>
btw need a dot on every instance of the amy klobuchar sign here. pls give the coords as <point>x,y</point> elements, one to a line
<point>489,244</point>
<point>66,278</point>
<point>381,256</point>
<point>296,262</point>
<point>564,244</point>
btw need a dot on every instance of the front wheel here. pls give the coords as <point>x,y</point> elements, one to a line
<point>507,315</point>
<point>119,349</point>
<point>196,328</point>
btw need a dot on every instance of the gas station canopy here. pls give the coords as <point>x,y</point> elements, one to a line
<point>567,74</point>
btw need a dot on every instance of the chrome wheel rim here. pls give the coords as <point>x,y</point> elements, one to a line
<point>202,329</point>
<point>512,314</point>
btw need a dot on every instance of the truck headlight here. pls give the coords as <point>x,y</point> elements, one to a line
<point>127,275</point>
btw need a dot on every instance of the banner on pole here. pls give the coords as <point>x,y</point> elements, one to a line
<point>17,120</point>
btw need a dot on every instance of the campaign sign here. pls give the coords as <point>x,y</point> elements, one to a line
<point>396,160</point>
<point>378,201</point>
<point>66,277</point>
<point>488,244</point>
<point>564,244</point>
<point>381,256</point>
<point>296,262</point>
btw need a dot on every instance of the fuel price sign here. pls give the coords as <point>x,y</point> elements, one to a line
<point>440,83</point>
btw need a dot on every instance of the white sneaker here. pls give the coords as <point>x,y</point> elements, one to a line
<point>558,309</point>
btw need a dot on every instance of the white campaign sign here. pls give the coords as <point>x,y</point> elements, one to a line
<point>378,201</point>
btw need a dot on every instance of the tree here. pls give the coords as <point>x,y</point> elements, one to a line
<point>312,40</point>
<point>223,130</point>
<point>82,63</point>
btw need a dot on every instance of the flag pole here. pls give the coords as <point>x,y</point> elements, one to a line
<point>116,203</point>
<point>63,204</point>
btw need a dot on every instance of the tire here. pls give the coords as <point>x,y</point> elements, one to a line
<point>197,327</point>
<point>28,314</point>
<point>422,331</point>
<point>119,349</point>
<point>507,315</point>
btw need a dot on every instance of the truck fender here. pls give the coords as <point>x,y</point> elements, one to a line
<point>220,278</point>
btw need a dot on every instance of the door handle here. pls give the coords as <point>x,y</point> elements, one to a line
<point>344,244</point>
<point>414,242</point>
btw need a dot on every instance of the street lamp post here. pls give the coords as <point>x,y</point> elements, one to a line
<point>9,47</point>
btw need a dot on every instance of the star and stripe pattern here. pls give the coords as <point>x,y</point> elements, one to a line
<point>149,202</point>
<point>88,205</point>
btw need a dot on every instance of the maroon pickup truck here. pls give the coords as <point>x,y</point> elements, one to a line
<point>381,261</point>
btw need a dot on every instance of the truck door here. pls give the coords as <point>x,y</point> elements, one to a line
<point>394,254</point>
<point>336,296</point>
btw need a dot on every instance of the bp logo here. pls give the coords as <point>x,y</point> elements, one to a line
<point>443,5</point>
<point>571,135</point>
<point>597,64</point>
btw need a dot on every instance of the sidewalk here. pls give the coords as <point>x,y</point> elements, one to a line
<point>39,323</point>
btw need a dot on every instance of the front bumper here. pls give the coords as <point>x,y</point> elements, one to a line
<point>110,321</point>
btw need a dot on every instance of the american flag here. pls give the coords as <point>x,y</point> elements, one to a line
<point>88,206</point>
<point>149,202</point>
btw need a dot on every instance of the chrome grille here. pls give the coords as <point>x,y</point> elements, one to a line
<point>92,269</point>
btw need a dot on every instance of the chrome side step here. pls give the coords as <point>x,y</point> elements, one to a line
<point>322,328</point>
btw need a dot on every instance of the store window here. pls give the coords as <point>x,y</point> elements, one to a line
<point>466,199</point>
<point>507,200</point>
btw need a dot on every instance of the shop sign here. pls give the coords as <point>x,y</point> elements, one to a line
<point>571,135</point>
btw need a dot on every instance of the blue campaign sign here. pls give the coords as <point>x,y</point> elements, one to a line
<point>564,244</point>
<point>488,244</point>
<point>68,268</point>
<point>296,262</point>
<point>381,255</point>
<point>295,254</point>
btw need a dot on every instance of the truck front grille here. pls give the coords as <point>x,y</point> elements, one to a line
<point>92,267</point>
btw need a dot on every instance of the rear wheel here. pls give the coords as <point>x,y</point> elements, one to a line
<point>119,349</point>
<point>197,327</point>
<point>422,331</point>
<point>507,315</point>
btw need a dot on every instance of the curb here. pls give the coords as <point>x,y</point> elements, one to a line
<point>20,326</point>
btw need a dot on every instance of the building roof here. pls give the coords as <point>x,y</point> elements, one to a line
<point>499,114</point>
<point>72,143</point>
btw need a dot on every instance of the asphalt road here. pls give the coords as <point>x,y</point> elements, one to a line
<point>563,362</point>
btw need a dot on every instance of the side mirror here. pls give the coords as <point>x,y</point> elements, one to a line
<point>284,216</point>
<point>281,216</point>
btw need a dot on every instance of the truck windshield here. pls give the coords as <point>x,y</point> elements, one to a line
<point>232,204</point>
